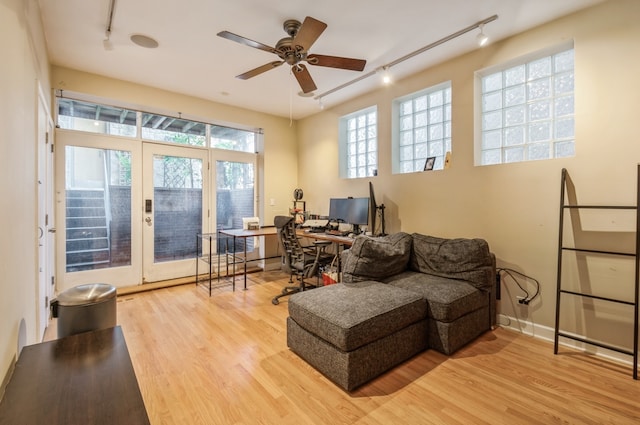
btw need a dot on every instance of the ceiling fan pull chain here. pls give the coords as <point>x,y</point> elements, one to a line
<point>290,98</point>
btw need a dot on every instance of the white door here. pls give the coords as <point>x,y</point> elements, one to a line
<point>46,226</point>
<point>98,212</point>
<point>174,209</point>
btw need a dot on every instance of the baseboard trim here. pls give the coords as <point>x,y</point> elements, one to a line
<point>546,333</point>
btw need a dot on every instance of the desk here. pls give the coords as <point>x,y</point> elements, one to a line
<point>244,234</point>
<point>338,241</point>
<point>86,378</point>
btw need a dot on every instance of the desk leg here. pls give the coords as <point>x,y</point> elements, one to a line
<point>233,272</point>
<point>197,256</point>
<point>210,265</point>
<point>226,255</point>
<point>218,252</point>
<point>245,264</point>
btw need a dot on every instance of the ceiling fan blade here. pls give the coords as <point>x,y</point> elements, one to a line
<point>304,78</point>
<point>337,62</point>
<point>309,32</point>
<point>247,42</point>
<point>259,70</point>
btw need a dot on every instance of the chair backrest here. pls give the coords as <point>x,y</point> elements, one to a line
<point>293,252</point>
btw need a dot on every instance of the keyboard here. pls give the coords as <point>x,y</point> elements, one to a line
<point>337,233</point>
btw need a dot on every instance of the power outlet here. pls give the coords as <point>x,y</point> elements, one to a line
<point>522,300</point>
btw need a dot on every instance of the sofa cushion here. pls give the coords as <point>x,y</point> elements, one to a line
<point>350,316</point>
<point>377,258</point>
<point>447,299</point>
<point>464,259</point>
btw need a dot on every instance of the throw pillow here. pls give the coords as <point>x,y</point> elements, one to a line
<point>377,258</point>
<point>464,259</point>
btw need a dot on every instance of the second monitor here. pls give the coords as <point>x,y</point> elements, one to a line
<point>353,211</point>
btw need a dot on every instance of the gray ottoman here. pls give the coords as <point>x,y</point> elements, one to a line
<point>354,332</point>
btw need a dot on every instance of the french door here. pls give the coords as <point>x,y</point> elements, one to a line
<point>98,210</point>
<point>175,209</point>
<point>128,211</point>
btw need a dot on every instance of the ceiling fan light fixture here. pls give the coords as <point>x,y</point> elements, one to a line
<point>294,49</point>
<point>144,41</point>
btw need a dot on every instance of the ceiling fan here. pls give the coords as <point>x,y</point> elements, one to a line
<point>294,50</point>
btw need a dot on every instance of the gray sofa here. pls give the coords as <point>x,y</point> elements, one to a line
<point>399,295</point>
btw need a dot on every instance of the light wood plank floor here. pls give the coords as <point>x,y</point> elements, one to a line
<point>223,360</point>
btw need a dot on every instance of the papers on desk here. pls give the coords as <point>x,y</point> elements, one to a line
<point>250,223</point>
<point>315,223</point>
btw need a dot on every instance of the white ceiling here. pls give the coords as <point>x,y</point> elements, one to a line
<point>192,60</point>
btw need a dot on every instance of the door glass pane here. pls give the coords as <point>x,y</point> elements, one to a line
<point>234,197</point>
<point>98,208</point>
<point>177,192</point>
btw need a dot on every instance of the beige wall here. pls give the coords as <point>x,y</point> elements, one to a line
<point>24,65</point>
<point>515,206</point>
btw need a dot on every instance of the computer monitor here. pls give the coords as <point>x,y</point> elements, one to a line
<point>350,210</point>
<point>358,211</point>
<point>339,209</point>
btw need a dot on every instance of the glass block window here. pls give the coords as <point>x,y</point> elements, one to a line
<point>527,110</point>
<point>359,144</point>
<point>422,128</point>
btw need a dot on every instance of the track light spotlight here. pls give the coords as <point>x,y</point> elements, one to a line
<point>106,43</point>
<point>386,76</point>
<point>482,38</point>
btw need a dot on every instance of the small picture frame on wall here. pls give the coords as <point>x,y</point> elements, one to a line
<point>429,163</point>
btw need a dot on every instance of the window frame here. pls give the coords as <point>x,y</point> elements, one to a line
<point>447,123</point>
<point>553,119</point>
<point>343,145</point>
<point>207,138</point>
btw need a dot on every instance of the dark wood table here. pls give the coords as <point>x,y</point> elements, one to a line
<point>86,378</point>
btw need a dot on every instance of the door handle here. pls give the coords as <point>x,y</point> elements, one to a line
<point>148,220</point>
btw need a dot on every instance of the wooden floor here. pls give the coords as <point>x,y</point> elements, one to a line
<point>223,360</point>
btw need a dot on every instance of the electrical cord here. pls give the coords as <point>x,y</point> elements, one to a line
<point>528,298</point>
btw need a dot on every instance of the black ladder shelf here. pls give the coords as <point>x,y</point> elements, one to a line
<point>561,248</point>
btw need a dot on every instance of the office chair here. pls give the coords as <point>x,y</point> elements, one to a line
<point>296,259</point>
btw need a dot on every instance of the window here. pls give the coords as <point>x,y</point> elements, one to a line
<point>83,115</point>
<point>233,139</point>
<point>103,119</point>
<point>422,129</point>
<point>173,130</point>
<point>359,144</point>
<point>527,110</point>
